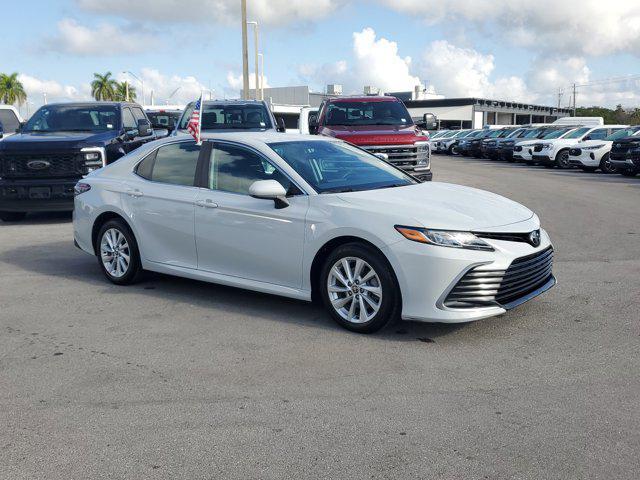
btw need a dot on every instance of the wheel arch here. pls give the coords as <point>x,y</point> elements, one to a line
<point>325,250</point>
<point>100,220</point>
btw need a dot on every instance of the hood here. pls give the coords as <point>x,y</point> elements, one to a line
<point>442,206</point>
<point>374,134</point>
<point>56,140</point>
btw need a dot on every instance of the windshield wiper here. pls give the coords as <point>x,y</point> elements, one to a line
<point>393,185</point>
<point>338,190</point>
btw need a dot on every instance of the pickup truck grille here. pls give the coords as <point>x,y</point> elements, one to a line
<point>36,165</point>
<point>403,156</point>
<point>485,288</point>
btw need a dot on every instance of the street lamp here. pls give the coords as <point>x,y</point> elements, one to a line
<point>137,78</point>
<point>261,76</point>
<point>255,38</point>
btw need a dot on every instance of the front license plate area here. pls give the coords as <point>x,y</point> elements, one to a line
<point>39,193</point>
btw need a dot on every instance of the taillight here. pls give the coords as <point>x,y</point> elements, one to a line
<point>81,188</point>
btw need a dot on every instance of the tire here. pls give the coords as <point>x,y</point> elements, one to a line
<point>380,297</point>
<point>12,216</point>
<point>628,173</point>
<point>589,169</point>
<point>606,166</point>
<point>110,240</point>
<point>562,159</point>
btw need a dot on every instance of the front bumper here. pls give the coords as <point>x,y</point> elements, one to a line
<point>37,195</point>
<point>423,294</point>
<point>586,158</point>
<point>542,159</point>
<point>626,161</point>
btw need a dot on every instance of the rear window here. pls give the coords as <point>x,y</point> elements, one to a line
<point>9,120</point>
<point>230,117</point>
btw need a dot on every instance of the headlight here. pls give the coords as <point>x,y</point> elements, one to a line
<point>444,238</point>
<point>594,147</point>
<point>94,158</point>
<point>422,147</point>
<point>546,146</point>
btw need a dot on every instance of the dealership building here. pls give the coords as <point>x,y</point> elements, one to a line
<point>450,112</point>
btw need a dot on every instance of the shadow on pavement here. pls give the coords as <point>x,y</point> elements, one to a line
<point>63,260</point>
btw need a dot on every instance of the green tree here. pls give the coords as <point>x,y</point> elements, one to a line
<point>121,92</point>
<point>11,89</point>
<point>103,87</point>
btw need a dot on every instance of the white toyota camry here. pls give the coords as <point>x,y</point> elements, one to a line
<point>309,217</point>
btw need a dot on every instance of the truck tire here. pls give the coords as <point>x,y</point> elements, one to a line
<point>606,166</point>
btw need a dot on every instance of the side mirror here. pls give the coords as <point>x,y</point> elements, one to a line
<point>313,123</point>
<point>281,125</point>
<point>430,121</point>
<point>382,156</point>
<point>144,128</point>
<point>270,190</point>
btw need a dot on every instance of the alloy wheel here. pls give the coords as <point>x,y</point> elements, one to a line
<point>354,289</point>
<point>115,253</point>
<point>607,167</point>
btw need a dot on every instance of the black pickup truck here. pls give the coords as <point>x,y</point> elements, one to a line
<point>40,165</point>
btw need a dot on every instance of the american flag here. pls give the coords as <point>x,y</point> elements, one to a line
<point>193,127</point>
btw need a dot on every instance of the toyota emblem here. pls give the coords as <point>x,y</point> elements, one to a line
<point>534,238</point>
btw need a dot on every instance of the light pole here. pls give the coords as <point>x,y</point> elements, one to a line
<point>261,76</point>
<point>141,83</point>
<point>245,52</point>
<point>255,40</point>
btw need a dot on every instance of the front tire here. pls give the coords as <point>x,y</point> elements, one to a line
<point>118,254</point>
<point>12,216</point>
<point>606,166</point>
<point>562,159</point>
<point>359,288</point>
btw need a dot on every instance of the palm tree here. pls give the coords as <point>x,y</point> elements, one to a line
<point>103,86</point>
<point>121,92</point>
<point>11,89</point>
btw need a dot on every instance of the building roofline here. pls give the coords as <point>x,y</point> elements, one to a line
<point>482,102</point>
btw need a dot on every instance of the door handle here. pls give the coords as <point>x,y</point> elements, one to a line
<point>134,193</point>
<point>206,203</point>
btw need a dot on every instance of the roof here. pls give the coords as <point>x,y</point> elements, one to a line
<point>88,104</point>
<point>483,102</point>
<point>363,98</point>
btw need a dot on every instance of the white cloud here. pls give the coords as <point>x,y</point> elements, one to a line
<point>55,91</point>
<point>376,62</point>
<point>465,72</point>
<point>569,27</point>
<point>102,39</point>
<point>234,82</point>
<point>271,12</point>
<point>163,85</point>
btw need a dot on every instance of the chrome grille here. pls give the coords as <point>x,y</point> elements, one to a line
<point>485,288</point>
<point>16,165</point>
<point>400,155</point>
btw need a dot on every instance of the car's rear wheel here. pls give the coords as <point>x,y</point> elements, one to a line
<point>606,166</point>
<point>12,216</point>
<point>118,254</point>
<point>359,288</point>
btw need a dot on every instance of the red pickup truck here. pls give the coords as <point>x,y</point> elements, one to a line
<point>380,125</point>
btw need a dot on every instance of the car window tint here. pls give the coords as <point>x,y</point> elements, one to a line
<point>176,164</point>
<point>145,167</point>
<point>10,122</point>
<point>599,134</point>
<point>128,121</point>
<point>234,169</point>
<point>138,113</point>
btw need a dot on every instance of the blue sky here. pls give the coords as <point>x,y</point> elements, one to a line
<point>501,49</point>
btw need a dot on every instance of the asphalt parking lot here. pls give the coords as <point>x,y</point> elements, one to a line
<point>173,378</point>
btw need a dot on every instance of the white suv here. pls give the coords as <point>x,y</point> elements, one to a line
<point>524,150</point>
<point>555,152</point>
<point>591,155</point>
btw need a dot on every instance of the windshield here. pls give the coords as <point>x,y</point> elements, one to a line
<point>532,133</point>
<point>367,113</point>
<point>556,133</point>
<point>515,133</point>
<point>461,133</point>
<point>439,134</point>
<point>578,133</point>
<point>240,116</point>
<point>166,120</point>
<point>74,118</point>
<point>331,167</point>
<point>625,132</point>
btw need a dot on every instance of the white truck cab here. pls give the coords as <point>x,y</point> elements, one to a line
<point>10,120</point>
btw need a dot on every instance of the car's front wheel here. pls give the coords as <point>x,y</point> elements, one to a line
<point>562,159</point>
<point>606,166</point>
<point>359,288</point>
<point>117,252</point>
